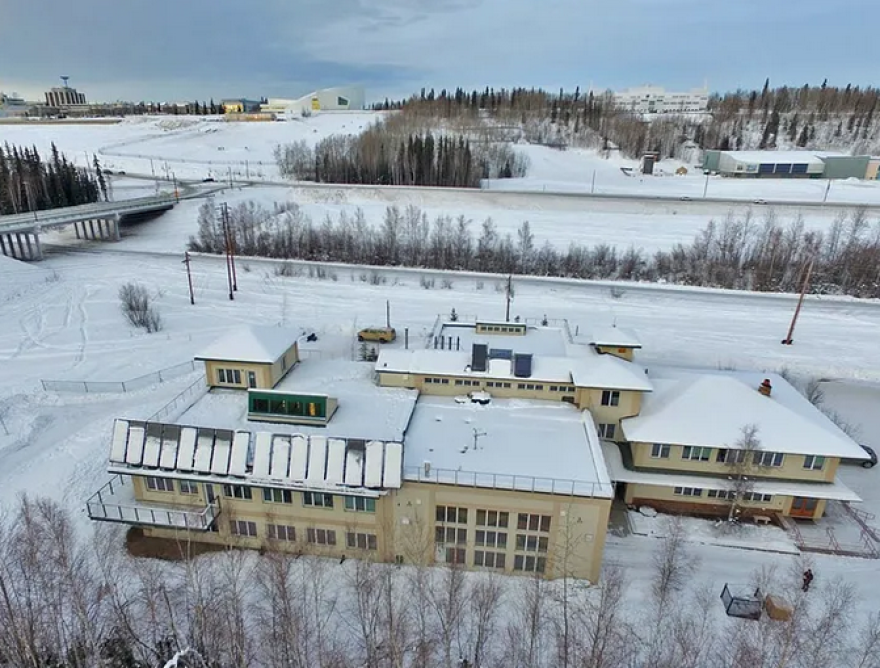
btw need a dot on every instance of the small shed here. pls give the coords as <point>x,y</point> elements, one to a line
<point>616,341</point>
<point>250,357</point>
<point>742,601</point>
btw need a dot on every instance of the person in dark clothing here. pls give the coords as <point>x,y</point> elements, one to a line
<point>808,579</point>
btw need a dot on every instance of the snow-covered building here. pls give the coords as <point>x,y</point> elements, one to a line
<point>787,164</point>
<point>343,98</point>
<point>497,445</point>
<point>658,100</point>
<point>250,357</point>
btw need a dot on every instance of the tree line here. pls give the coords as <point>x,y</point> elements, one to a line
<point>810,116</point>
<point>738,252</point>
<point>393,151</point>
<point>28,183</point>
<point>72,602</point>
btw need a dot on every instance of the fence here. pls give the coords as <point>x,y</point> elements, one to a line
<point>181,402</point>
<point>131,385</point>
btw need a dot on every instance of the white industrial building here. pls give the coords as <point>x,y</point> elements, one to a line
<point>342,98</point>
<point>658,100</point>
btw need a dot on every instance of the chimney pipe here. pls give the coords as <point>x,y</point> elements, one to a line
<point>765,388</point>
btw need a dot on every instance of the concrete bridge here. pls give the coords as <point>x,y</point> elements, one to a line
<point>20,233</point>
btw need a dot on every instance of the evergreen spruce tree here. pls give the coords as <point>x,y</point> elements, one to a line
<point>804,136</point>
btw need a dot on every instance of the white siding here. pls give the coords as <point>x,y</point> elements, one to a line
<point>299,457</point>
<point>220,460</point>
<point>317,455</point>
<point>135,453</point>
<point>186,452</point>
<point>238,460</point>
<point>204,452</point>
<point>262,454</point>
<point>151,451</point>
<point>375,456</point>
<point>120,438</point>
<point>335,461</point>
<point>393,465</point>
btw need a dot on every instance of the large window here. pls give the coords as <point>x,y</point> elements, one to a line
<point>229,376</point>
<point>757,498</point>
<point>451,515</point>
<point>317,499</point>
<point>814,462</point>
<point>497,539</point>
<point>696,454</point>
<point>450,535</point>
<point>243,528</point>
<point>237,492</point>
<point>774,459</point>
<point>726,456</point>
<point>281,532</point>
<point>277,495</point>
<point>360,504</point>
<point>321,536</point>
<point>660,451</point>
<point>492,518</point>
<point>489,559</point>
<point>454,555</point>
<point>610,398</point>
<point>527,543</point>
<point>688,491</point>
<point>360,541</point>
<point>529,564</point>
<point>188,487</point>
<point>607,430</point>
<point>724,495</point>
<point>526,522</point>
<point>160,484</point>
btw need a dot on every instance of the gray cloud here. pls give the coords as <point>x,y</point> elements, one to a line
<point>164,49</point>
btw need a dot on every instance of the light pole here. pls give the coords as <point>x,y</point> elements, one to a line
<point>706,186</point>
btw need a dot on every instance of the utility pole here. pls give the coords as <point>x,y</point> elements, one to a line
<point>176,193</point>
<point>224,212</point>
<point>388,314</point>
<point>508,292</point>
<point>230,177</point>
<point>153,171</point>
<point>593,184</point>
<point>787,341</point>
<point>247,171</point>
<point>477,435</point>
<point>827,188</point>
<point>189,278</point>
<point>706,186</point>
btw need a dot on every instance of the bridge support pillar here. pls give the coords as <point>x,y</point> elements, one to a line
<point>3,244</point>
<point>113,227</point>
<point>76,230</point>
<point>29,247</point>
<point>92,229</point>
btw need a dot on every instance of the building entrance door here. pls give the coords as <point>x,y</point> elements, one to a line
<point>803,507</point>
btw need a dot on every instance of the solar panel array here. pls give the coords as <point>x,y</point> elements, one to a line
<point>310,460</point>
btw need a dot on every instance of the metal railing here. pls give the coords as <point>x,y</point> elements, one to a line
<point>88,386</point>
<point>182,402</point>
<point>101,508</point>
<point>522,483</point>
<point>62,214</point>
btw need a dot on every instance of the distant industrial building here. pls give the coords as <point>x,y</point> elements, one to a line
<point>789,164</point>
<point>12,106</point>
<point>344,98</point>
<point>657,100</point>
<point>65,96</point>
<point>240,106</point>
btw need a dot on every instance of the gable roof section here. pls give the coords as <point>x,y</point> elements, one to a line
<point>609,372</point>
<point>711,410</point>
<point>615,337</point>
<point>257,344</point>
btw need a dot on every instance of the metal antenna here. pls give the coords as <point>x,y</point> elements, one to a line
<point>477,435</point>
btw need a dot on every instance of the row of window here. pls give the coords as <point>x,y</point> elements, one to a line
<point>497,384</point>
<point>493,518</point>
<point>729,456</point>
<point>725,495</point>
<point>501,328</point>
<point>290,407</point>
<point>467,383</point>
<point>270,495</point>
<point>314,536</point>
<point>498,560</point>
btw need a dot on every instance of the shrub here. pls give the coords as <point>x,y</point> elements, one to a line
<point>138,308</point>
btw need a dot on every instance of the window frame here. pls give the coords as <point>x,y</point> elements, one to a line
<point>240,492</point>
<point>610,397</point>
<point>313,534</point>
<point>158,484</point>
<point>361,541</point>
<point>660,450</point>
<point>607,430</point>
<point>688,452</point>
<point>694,492</point>
<point>250,527</point>
<point>192,488</point>
<point>758,459</point>
<point>811,460</point>
<point>311,500</point>
<point>351,504</point>
<point>288,531</point>
<point>285,496</point>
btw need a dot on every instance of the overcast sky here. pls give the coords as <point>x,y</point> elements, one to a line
<point>186,49</point>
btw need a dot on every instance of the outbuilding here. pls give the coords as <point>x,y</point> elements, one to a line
<point>250,357</point>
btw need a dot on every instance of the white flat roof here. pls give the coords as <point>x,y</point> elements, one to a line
<point>267,459</point>
<point>524,445</point>
<point>457,363</point>
<point>544,341</point>
<point>710,409</point>
<point>619,473</point>
<point>364,410</point>
<point>257,344</point>
<point>765,157</point>
<point>615,336</point>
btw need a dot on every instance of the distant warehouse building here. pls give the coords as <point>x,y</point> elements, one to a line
<point>344,98</point>
<point>786,164</point>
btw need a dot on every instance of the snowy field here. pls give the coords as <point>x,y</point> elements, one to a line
<point>195,148</point>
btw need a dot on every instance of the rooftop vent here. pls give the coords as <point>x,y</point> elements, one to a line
<point>765,388</point>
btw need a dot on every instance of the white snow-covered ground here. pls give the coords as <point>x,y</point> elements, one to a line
<point>194,148</point>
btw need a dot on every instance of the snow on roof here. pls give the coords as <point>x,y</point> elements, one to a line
<point>513,450</point>
<point>295,461</point>
<point>365,411</point>
<point>609,372</point>
<point>775,156</point>
<point>818,490</point>
<point>457,363</point>
<point>546,341</point>
<point>710,409</point>
<point>616,337</point>
<point>258,344</point>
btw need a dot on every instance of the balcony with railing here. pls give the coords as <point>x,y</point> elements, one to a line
<point>115,502</point>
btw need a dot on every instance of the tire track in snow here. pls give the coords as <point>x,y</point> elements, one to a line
<point>82,324</point>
